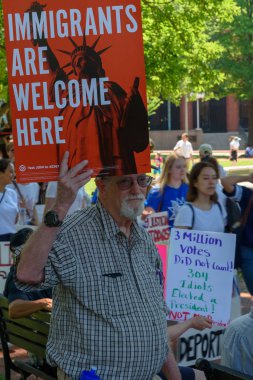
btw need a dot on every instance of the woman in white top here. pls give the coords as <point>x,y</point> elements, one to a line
<point>203,212</point>
<point>8,201</point>
<point>80,202</point>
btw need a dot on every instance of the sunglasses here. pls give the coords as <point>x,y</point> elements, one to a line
<point>127,182</point>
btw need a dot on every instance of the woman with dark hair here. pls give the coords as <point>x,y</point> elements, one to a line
<point>203,211</point>
<point>170,190</point>
<point>8,201</point>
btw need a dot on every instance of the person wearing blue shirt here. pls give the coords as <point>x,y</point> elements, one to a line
<point>170,191</point>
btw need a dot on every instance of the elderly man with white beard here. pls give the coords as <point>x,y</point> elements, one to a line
<point>108,308</point>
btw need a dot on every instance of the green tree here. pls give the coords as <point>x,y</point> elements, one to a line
<point>237,59</point>
<point>3,70</point>
<point>180,50</point>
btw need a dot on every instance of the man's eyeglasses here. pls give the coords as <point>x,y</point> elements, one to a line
<point>127,182</point>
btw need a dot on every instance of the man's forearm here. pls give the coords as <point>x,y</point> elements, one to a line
<point>170,368</point>
<point>21,308</point>
<point>229,182</point>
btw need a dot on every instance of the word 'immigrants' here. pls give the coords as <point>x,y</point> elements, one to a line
<point>63,23</point>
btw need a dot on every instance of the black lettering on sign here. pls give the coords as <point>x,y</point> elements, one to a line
<point>206,345</point>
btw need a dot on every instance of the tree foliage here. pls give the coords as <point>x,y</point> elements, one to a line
<point>3,69</point>
<point>180,48</point>
<point>237,60</point>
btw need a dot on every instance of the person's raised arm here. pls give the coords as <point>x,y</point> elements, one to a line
<point>35,252</point>
<point>229,182</point>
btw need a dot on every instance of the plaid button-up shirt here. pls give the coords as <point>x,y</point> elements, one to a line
<point>108,307</point>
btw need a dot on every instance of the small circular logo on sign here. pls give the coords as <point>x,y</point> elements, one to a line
<point>22,168</point>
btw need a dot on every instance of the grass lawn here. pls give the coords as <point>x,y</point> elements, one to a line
<point>241,162</point>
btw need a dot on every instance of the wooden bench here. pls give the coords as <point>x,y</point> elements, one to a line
<point>214,371</point>
<point>29,333</point>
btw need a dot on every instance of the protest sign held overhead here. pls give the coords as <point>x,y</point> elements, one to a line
<point>200,275</point>
<point>77,82</point>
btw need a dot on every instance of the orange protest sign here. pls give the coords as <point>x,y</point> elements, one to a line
<point>77,83</point>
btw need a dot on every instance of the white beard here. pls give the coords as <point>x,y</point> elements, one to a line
<point>132,212</point>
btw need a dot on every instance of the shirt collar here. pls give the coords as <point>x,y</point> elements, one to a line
<point>111,228</point>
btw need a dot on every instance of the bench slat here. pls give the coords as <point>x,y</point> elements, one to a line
<point>26,334</point>
<point>29,346</point>
<point>28,324</point>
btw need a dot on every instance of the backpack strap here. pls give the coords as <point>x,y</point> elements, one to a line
<point>161,202</point>
<point>220,208</point>
<point>245,215</point>
<point>193,212</point>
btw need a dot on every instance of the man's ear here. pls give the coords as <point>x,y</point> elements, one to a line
<point>101,185</point>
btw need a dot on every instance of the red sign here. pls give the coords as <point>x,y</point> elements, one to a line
<point>77,83</point>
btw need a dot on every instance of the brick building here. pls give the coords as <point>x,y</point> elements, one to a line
<point>212,121</point>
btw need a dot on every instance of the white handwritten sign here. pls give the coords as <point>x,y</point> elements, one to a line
<point>200,275</point>
<point>207,343</point>
<point>158,227</point>
<point>5,263</point>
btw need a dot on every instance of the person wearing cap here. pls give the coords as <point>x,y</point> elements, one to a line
<point>206,151</point>
<point>183,148</point>
<point>22,304</point>
<point>109,311</point>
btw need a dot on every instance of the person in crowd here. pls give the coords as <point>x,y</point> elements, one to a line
<point>22,304</point>
<point>8,201</point>
<point>222,198</point>
<point>10,151</point>
<point>249,152</point>
<point>82,199</point>
<point>28,193</point>
<point>202,211</point>
<point>234,144</point>
<point>243,195</point>
<point>104,269</point>
<point>237,346</point>
<point>169,192</point>
<point>158,161</point>
<point>5,138</point>
<point>206,151</point>
<point>94,196</point>
<point>183,148</point>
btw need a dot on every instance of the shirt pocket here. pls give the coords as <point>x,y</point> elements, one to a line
<point>120,299</point>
